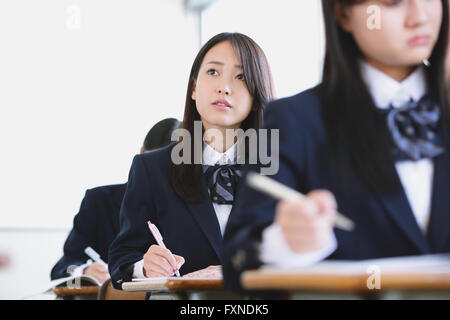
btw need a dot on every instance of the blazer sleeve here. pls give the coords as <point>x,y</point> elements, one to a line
<point>254,210</point>
<point>81,236</point>
<point>134,238</point>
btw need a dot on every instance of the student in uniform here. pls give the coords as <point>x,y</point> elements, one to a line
<point>372,140</point>
<point>229,84</point>
<point>97,222</point>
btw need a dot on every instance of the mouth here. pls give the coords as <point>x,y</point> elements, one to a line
<point>222,104</point>
<point>420,40</point>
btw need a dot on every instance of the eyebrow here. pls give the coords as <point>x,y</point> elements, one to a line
<point>221,64</point>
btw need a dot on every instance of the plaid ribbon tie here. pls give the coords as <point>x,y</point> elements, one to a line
<point>222,182</point>
<point>414,130</point>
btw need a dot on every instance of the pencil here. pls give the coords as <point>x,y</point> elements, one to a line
<point>279,191</point>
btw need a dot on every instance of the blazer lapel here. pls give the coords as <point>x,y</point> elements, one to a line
<point>205,216</point>
<point>439,226</point>
<point>398,207</point>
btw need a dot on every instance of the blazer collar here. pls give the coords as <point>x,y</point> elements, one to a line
<point>438,233</point>
<point>203,212</point>
<point>397,206</point>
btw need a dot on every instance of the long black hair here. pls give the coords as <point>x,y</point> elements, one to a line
<point>356,129</point>
<point>186,178</point>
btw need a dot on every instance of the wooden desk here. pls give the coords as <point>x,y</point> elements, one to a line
<point>182,289</point>
<point>82,293</point>
<point>304,285</point>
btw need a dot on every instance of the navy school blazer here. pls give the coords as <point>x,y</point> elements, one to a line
<point>95,225</point>
<point>385,223</point>
<point>190,230</point>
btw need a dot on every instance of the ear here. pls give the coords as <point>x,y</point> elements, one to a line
<point>193,95</point>
<point>342,15</point>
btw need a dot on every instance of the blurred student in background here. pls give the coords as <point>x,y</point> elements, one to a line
<point>97,222</point>
<point>372,140</point>
<point>4,260</point>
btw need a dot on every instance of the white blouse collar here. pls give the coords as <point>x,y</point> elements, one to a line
<point>387,91</point>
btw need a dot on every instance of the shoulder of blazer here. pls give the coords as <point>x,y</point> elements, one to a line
<point>110,193</point>
<point>302,109</point>
<point>157,159</point>
<point>156,163</point>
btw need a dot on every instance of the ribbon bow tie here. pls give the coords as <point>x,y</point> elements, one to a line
<point>222,182</point>
<point>414,130</point>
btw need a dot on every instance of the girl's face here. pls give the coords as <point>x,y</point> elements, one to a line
<point>220,91</point>
<point>407,33</point>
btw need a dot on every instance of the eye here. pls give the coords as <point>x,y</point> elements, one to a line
<point>212,72</point>
<point>240,77</point>
<point>392,3</point>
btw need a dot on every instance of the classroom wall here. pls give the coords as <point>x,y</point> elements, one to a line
<point>33,253</point>
<point>290,32</point>
<point>82,82</point>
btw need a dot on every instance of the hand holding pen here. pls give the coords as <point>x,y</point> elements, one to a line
<point>158,260</point>
<point>98,269</point>
<point>306,221</point>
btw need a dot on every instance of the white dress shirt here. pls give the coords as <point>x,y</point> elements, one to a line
<point>210,157</point>
<point>415,176</point>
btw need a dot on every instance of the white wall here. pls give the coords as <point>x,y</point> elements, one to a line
<point>289,31</point>
<point>32,256</point>
<point>77,102</point>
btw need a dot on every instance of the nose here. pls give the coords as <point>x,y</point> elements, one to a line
<point>225,91</point>
<point>224,88</point>
<point>417,13</point>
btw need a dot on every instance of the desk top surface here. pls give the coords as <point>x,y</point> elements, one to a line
<point>62,291</point>
<point>174,284</point>
<point>328,282</point>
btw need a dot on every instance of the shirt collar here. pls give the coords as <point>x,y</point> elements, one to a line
<point>212,157</point>
<point>387,91</point>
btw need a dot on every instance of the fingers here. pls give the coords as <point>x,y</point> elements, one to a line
<point>99,267</point>
<point>296,214</point>
<point>307,225</point>
<point>98,271</point>
<point>160,262</point>
<point>325,201</point>
<point>179,261</point>
<point>319,203</point>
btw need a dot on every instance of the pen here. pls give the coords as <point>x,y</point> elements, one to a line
<point>159,239</point>
<point>94,255</point>
<point>280,191</point>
